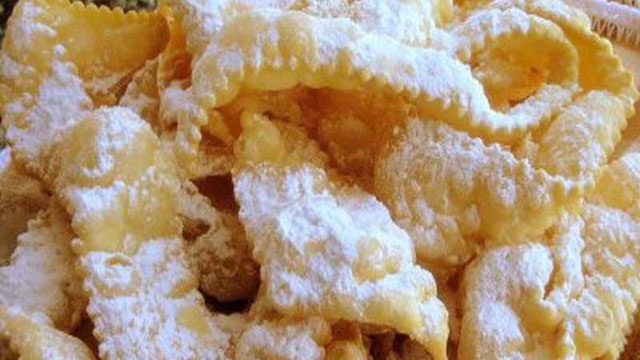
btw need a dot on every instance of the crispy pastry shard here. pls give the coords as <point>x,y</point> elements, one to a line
<point>231,55</point>
<point>112,178</point>
<point>579,140</point>
<point>354,126</point>
<point>517,57</point>
<point>30,339</point>
<point>54,54</point>
<point>458,190</point>
<point>571,296</point>
<point>142,97</point>
<point>90,37</point>
<point>116,183</point>
<point>40,292</point>
<point>339,254</point>
<point>38,285</point>
<point>40,278</point>
<point>121,189</point>
<point>174,63</point>
<point>599,67</point>
<point>502,309</point>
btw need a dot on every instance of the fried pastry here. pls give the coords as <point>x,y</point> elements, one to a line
<point>340,255</point>
<point>572,295</point>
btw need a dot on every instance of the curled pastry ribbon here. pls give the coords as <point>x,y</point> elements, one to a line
<point>602,79</point>
<point>337,53</point>
<point>111,176</point>
<point>498,41</point>
<point>599,68</point>
<point>569,151</point>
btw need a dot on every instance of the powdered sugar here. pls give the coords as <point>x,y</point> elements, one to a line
<point>282,340</point>
<point>138,316</point>
<point>572,294</point>
<point>331,250</point>
<point>115,132</point>
<point>60,103</point>
<point>41,279</point>
<point>89,202</point>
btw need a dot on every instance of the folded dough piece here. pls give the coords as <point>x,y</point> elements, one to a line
<point>574,294</point>
<point>326,248</point>
<point>459,193</point>
<point>109,171</point>
<point>456,191</point>
<point>40,292</point>
<point>121,189</point>
<point>41,278</point>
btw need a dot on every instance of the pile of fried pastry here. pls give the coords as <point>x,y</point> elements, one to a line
<point>307,179</point>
